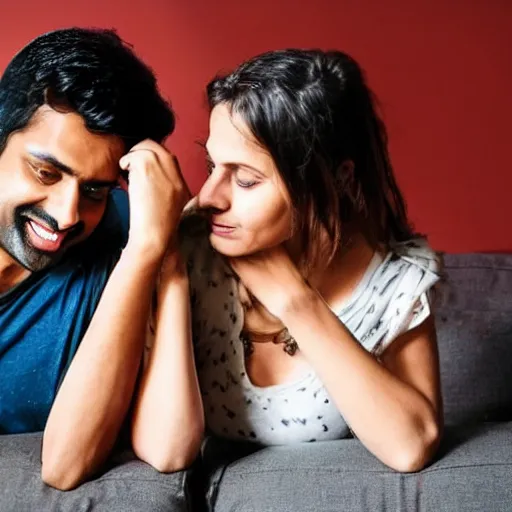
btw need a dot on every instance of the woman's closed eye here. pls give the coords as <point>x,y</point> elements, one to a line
<point>243,178</point>
<point>245,182</point>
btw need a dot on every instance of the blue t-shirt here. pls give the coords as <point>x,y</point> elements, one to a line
<point>44,318</point>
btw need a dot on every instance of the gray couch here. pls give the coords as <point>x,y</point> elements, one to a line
<point>472,472</point>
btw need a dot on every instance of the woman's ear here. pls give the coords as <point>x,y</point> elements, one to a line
<point>348,187</point>
<point>345,178</point>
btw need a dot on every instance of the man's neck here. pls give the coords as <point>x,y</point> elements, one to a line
<point>11,272</point>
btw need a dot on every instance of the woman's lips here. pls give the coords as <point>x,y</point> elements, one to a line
<point>221,229</point>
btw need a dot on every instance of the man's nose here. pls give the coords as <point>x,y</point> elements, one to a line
<point>64,205</point>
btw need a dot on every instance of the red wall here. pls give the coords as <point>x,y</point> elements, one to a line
<point>441,68</point>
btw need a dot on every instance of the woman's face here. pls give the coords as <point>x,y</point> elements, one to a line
<point>249,204</point>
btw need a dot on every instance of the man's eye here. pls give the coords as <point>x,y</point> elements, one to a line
<point>95,193</point>
<point>46,176</point>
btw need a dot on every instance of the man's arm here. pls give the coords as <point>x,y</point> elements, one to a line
<point>96,392</point>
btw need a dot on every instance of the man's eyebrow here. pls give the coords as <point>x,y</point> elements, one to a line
<point>54,162</point>
<point>51,160</point>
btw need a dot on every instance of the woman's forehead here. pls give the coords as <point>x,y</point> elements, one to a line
<point>230,140</point>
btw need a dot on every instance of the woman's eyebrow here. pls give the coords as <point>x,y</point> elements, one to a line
<point>235,164</point>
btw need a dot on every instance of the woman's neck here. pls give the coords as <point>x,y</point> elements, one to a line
<point>340,278</point>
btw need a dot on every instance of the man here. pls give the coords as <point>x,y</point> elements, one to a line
<point>76,107</point>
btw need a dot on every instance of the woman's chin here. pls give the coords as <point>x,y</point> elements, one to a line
<point>229,247</point>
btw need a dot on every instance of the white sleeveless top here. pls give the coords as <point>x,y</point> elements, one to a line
<point>391,299</point>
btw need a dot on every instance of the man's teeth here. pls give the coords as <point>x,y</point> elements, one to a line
<point>52,237</point>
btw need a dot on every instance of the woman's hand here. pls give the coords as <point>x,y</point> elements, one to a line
<point>273,279</point>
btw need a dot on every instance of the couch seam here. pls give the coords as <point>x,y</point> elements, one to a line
<point>390,472</point>
<point>316,469</point>
<point>211,497</point>
<point>468,466</point>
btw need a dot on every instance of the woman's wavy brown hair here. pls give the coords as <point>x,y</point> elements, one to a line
<point>315,115</point>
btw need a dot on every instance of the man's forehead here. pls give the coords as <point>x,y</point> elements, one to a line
<point>64,138</point>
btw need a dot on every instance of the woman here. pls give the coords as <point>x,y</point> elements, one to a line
<point>310,292</point>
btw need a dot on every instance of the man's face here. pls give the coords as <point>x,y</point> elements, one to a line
<point>55,176</point>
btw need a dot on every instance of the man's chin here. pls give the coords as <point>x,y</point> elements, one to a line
<point>36,263</point>
<point>16,244</point>
<point>33,259</point>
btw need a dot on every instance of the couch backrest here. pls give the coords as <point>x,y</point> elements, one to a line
<point>474,326</point>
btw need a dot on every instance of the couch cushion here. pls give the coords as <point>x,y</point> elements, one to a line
<point>326,476</point>
<point>472,474</point>
<point>127,485</point>
<point>474,323</point>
